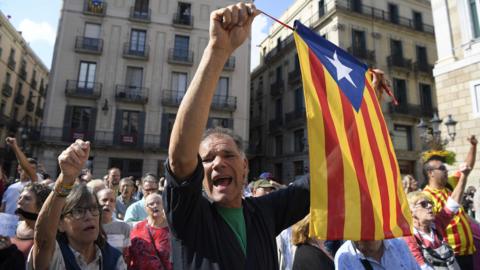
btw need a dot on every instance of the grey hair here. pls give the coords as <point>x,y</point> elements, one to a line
<point>220,131</point>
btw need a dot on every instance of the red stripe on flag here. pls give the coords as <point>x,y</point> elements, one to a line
<point>366,206</point>
<point>464,229</point>
<point>401,220</point>
<point>379,168</point>
<point>336,189</point>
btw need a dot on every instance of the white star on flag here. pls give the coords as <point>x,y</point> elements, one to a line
<point>342,70</point>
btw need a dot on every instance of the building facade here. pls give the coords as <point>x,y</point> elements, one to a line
<point>395,36</point>
<point>457,70</point>
<point>119,72</point>
<point>23,79</point>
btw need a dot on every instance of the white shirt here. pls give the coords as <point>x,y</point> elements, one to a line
<point>11,195</point>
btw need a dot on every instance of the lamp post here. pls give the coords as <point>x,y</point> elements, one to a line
<point>431,134</point>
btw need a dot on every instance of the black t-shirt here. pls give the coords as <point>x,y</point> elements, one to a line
<point>201,239</point>
<point>308,257</point>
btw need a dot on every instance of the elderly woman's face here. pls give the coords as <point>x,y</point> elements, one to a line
<point>423,211</point>
<point>153,206</point>
<point>82,223</point>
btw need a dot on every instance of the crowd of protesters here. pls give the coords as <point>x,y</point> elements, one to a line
<point>203,214</point>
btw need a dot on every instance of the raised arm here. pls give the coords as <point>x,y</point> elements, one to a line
<point>229,27</point>
<point>457,193</point>
<point>22,159</point>
<point>472,152</point>
<point>71,161</point>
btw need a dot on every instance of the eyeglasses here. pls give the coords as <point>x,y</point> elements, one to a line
<point>440,168</point>
<point>425,204</point>
<point>79,212</point>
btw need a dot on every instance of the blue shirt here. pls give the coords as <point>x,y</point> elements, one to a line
<point>396,255</point>
<point>136,212</point>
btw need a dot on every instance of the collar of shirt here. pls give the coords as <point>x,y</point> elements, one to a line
<point>81,261</point>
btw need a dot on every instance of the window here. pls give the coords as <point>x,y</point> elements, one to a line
<point>278,171</point>
<point>8,77</point>
<point>321,8</point>
<point>298,168</point>
<point>184,13</point>
<point>182,46</point>
<point>299,141</point>
<point>140,9</point>
<point>356,5</point>
<point>137,41</point>
<point>86,76</point>
<point>402,137</point>
<point>219,122</point>
<point>417,21</point>
<point>134,78</point>
<point>421,54</point>
<point>396,48</point>
<point>426,98</point>
<point>19,87</point>
<point>12,54</point>
<point>475,94</point>
<point>400,90</point>
<point>299,100</point>
<point>278,109</point>
<point>278,145</point>
<point>474,18</point>
<point>279,43</point>
<point>130,122</point>
<point>393,10</point>
<point>359,44</point>
<point>81,117</point>
<point>179,84</point>
<point>3,107</point>
<point>222,87</point>
<point>131,167</point>
<point>92,30</point>
<point>279,73</point>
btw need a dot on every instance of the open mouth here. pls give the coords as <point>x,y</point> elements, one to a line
<point>106,209</point>
<point>222,181</point>
<point>89,228</point>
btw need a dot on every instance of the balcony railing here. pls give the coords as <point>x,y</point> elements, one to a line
<point>19,99</point>
<point>95,7</point>
<point>423,66</point>
<point>33,83</point>
<point>132,94</point>
<point>277,88</point>
<point>399,62</point>
<point>375,13</point>
<point>7,90</point>
<point>182,20</point>
<point>22,73</point>
<point>180,56</point>
<point>135,51</point>
<point>30,105</point>
<point>88,45</point>
<point>82,89</point>
<point>294,76</point>
<point>295,118</point>
<point>362,53</point>
<point>275,124</point>
<point>224,103</point>
<point>11,63</point>
<point>140,15</point>
<point>172,97</point>
<point>412,110</point>
<point>39,112</point>
<point>230,64</point>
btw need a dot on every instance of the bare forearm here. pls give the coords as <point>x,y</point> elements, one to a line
<point>192,115</point>
<point>46,229</point>
<point>23,161</point>
<point>457,193</point>
<point>471,156</point>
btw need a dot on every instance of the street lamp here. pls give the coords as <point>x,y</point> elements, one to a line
<point>431,134</point>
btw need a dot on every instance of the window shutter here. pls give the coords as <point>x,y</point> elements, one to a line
<point>118,126</point>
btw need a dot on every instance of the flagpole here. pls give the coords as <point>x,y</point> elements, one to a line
<point>277,20</point>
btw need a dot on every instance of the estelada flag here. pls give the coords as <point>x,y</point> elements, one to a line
<point>356,190</point>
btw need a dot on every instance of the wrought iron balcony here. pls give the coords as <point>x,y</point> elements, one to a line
<point>412,110</point>
<point>19,99</point>
<point>180,56</point>
<point>39,112</point>
<point>95,7</point>
<point>295,118</point>
<point>30,105</point>
<point>88,45</point>
<point>83,89</point>
<point>7,90</point>
<point>134,51</point>
<point>11,63</point>
<point>172,97</point>
<point>22,73</point>
<point>131,94</point>
<point>230,64</point>
<point>294,76</point>
<point>224,103</point>
<point>398,61</point>
<point>140,15</point>
<point>33,83</point>
<point>277,88</point>
<point>275,124</point>
<point>183,20</point>
<point>362,53</point>
<point>424,67</point>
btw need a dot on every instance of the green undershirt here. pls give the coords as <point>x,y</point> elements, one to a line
<point>235,219</point>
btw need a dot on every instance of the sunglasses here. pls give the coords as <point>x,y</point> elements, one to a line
<point>425,204</point>
<point>441,168</point>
